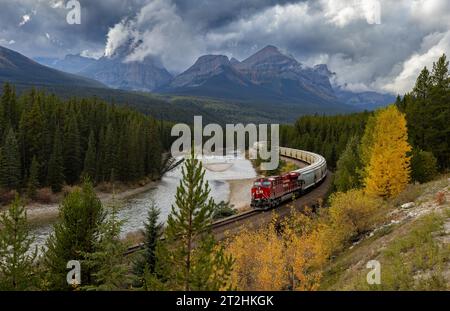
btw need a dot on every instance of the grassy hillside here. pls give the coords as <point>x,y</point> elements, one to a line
<point>413,246</point>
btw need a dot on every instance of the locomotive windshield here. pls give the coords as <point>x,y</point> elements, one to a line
<point>262,184</point>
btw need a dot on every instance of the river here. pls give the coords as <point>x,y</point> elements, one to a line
<point>133,211</point>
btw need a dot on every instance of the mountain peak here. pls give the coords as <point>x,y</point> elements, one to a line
<point>268,55</point>
<point>212,57</point>
<point>270,49</point>
<point>323,70</point>
<point>209,63</point>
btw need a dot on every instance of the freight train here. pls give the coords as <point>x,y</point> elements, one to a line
<point>269,192</point>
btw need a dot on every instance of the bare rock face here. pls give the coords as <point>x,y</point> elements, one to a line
<point>266,74</point>
<point>118,73</point>
<point>205,67</point>
<point>283,74</point>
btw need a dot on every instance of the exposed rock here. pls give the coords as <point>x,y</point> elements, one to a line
<point>408,205</point>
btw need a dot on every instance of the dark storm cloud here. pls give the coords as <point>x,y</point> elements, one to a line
<point>213,14</point>
<point>48,34</point>
<point>340,33</point>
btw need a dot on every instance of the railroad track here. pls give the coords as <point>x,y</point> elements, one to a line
<point>228,226</point>
<point>216,224</point>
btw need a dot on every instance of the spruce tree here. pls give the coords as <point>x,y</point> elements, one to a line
<point>423,166</point>
<point>348,165</point>
<point>107,260</point>
<point>55,174</point>
<point>439,76</point>
<point>33,178</point>
<point>10,167</point>
<point>90,158</point>
<point>204,268</point>
<point>72,155</point>
<point>17,257</point>
<point>146,263</point>
<point>31,132</point>
<point>423,84</point>
<point>75,236</point>
<point>110,164</point>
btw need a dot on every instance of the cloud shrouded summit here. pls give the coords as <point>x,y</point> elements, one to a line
<point>343,34</point>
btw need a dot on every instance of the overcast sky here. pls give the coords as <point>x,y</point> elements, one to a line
<point>367,50</point>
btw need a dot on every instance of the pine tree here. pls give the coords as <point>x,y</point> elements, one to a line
<point>189,222</point>
<point>90,158</point>
<point>74,237</point>
<point>16,254</point>
<point>423,84</point>
<point>33,181</point>
<point>55,174</point>
<point>388,168</point>
<point>423,166</point>
<point>107,260</point>
<point>72,156</point>
<point>348,166</point>
<point>10,168</point>
<point>439,76</point>
<point>153,232</point>
<point>31,133</point>
<point>110,154</point>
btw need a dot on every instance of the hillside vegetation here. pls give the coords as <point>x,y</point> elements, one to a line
<point>412,245</point>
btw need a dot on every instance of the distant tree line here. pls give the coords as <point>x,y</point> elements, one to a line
<point>47,142</point>
<point>326,135</point>
<point>340,138</point>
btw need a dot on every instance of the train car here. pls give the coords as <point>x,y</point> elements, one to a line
<point>271,191</point>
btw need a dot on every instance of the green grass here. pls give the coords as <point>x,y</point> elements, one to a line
<point>415,260</point>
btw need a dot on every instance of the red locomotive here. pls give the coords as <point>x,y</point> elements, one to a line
<point>271,191</point>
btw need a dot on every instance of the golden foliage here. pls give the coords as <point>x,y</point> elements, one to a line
<point>388,168</point>
<point>259,260</point>
<point>291,254</point>
<point>284,255</point>
<point>352,213</point>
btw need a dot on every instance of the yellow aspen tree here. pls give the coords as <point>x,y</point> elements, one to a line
<point>388,168</point>
<point>259,260</point>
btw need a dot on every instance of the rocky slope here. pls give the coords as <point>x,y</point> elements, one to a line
<point>266,75</point>
<point>20,70</point>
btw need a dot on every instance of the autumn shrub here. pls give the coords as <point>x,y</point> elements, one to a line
<point>410,194</point>
<point>7,196</point>
<point>440,198</point>
<point>353,213</point>
<point>106,187</point>
<point>259,260</point>
<point>44,195</point>
<point>286,255</point>
<point>291,254</point>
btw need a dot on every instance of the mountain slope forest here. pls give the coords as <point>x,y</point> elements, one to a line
<point>48,142</point>
<point>427,112</point>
